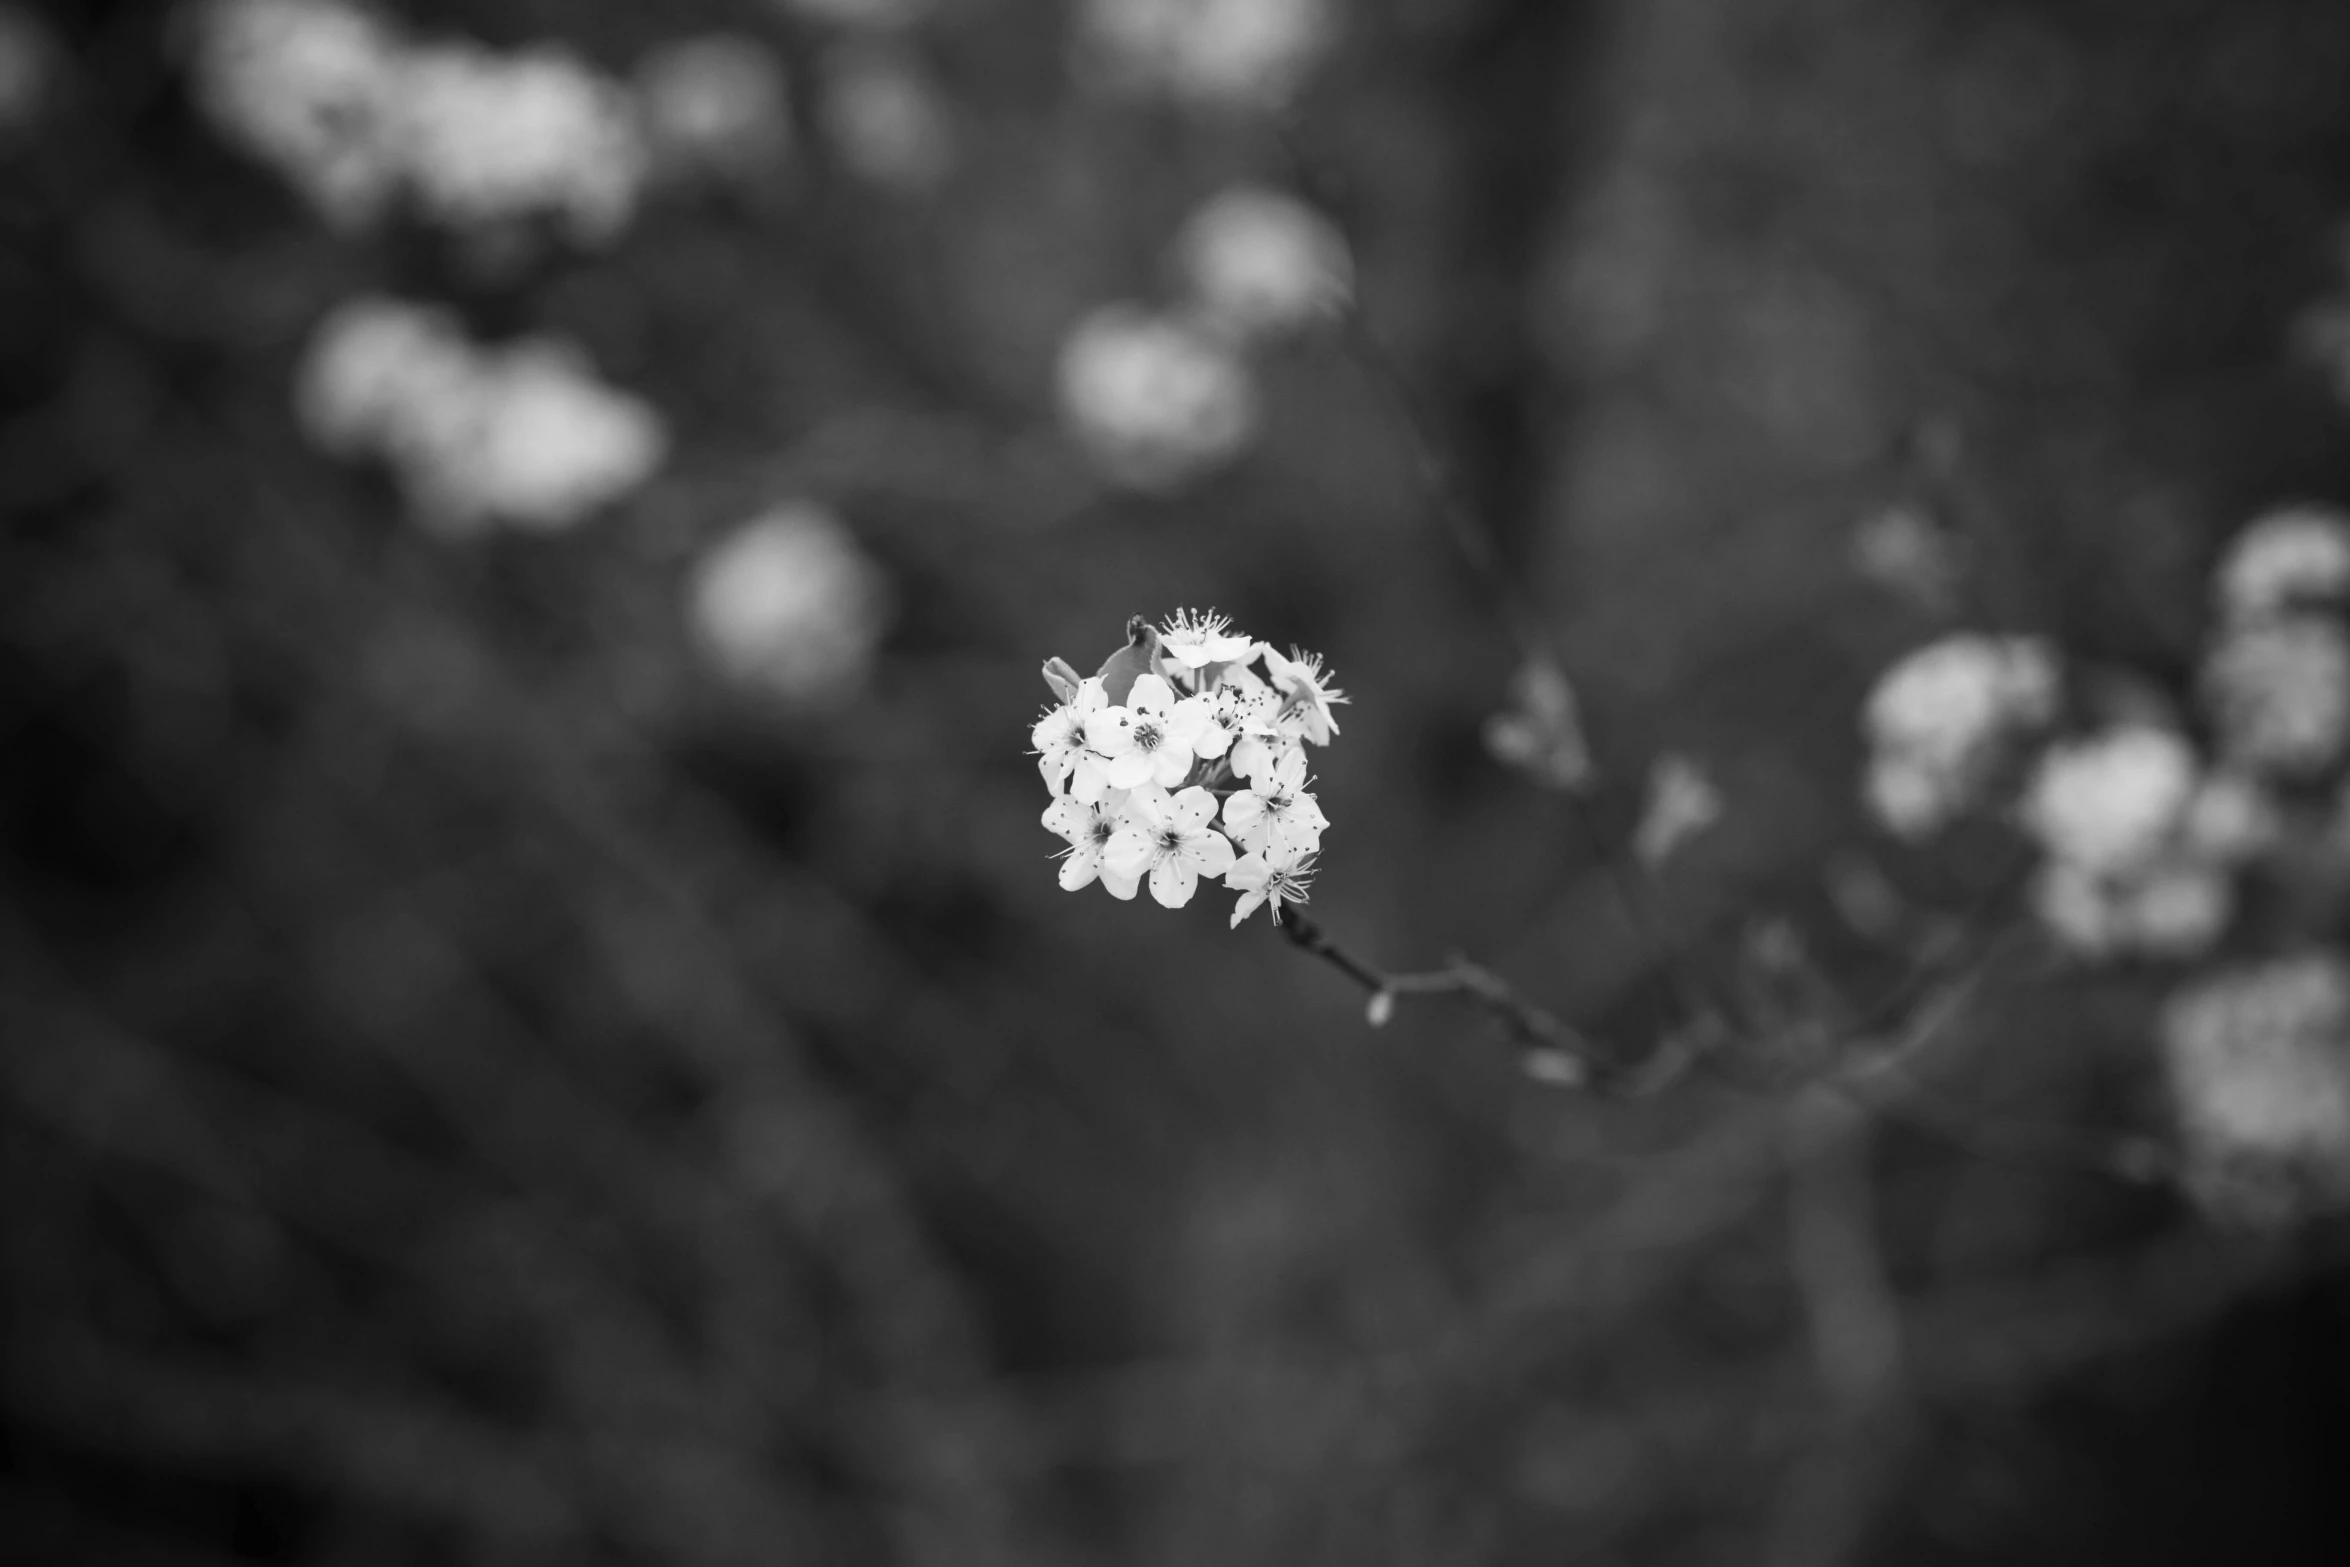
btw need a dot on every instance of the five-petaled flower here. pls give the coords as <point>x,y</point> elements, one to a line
<point>1282,879</point>
<point>1151,739</point>
<point>1274,816</point>
<point>1090,827</point>
<point>1196,639</point>
<point>1173,842</point>
<point>1059,736</point>
<point>1306,693</point>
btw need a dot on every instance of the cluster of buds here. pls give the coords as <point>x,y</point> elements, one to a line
<point>1178,749</point>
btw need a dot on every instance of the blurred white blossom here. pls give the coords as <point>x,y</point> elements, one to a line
<point>1258,263</point>
<point>2169,907</point>
<point>883,116</point>
<point>790,606</point>
<point>2230,819</point>
<point>523,434</point>
<point>352,112</point>
<point>1682,802</point>
<point>2278,692</point>
<point>29,61</point>
<point>1153,400</point>
<point>1905,551</point>
<point>486,136</point>
<point>310,87</point>
<point>2289,556</point>
<point>715,102</point>
<point>1217,53</point>
<point>1936,718</point>
<point>2110,802</point>
<point>2258,1062</point>
<point>1541,732</point>
<point>2141,849</point>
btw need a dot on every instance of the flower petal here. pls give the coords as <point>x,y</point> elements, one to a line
<point>1173,764</point>
<point>1110,731</point>
<point>1249,871</point>
<point>1150,695</point>
<point>1080,866</point>
<point>1247,905</point>
<point>1129,851</point>
<point>1242,809</point>
<point>1126,770</point>
<point>1207,851</point>
<point>1173,882</point>
<point>1192,809</point>
<point>1119,884</point>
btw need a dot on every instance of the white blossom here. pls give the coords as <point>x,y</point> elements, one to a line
<point>2292,555</point>
<point>2175,907</point>
<point>523,434</point>
<point>352,112</point>
<point>1268,882</point>
<point>1935,719</point>
<point>1224,54</point>
<point>1174,844</point>
<point>1257,263</point>
<point>1059,736</point>
<point>2258,1063</point>
<point>1195,640</point>
<point>1305,691</point>
<point>1154,402</point>
<point>2279,692</point>
<point>1090,828</point>
<point>1151,738</point>
<point>1134,783</point>
<point>550,443</point>
<point>789,605</point>
<point>2109,802</point>
<point>486,136</point>
<point>309,86</point>
<point>715,102</point>
<point>1275,817</point>
<point>1682,802</point>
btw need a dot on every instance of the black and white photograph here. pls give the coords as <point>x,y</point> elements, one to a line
<point>1174,783</point>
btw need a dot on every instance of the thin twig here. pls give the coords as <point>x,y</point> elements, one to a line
<point>1555,1051</point>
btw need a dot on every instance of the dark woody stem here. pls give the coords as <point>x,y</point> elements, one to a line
<point>1553,1050</point>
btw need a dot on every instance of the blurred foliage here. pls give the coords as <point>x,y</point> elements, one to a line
<point>478,1087</point>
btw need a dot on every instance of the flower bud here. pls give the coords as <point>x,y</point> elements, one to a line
<point>1062,678</point>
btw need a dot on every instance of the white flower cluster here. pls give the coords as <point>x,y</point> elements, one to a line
<point>2276,678</point>
<point>1937,719</point>
<point>352,112</point>
<point>1216,54</point>
<point>2141,844</point>
<point>789,606</point>
<point>1161,396</point>
<point>523,434</point>
<point>1178,731</point>
<point>2258,1062</point>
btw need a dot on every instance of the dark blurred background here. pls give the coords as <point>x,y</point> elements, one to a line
<point>492,1074</point>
